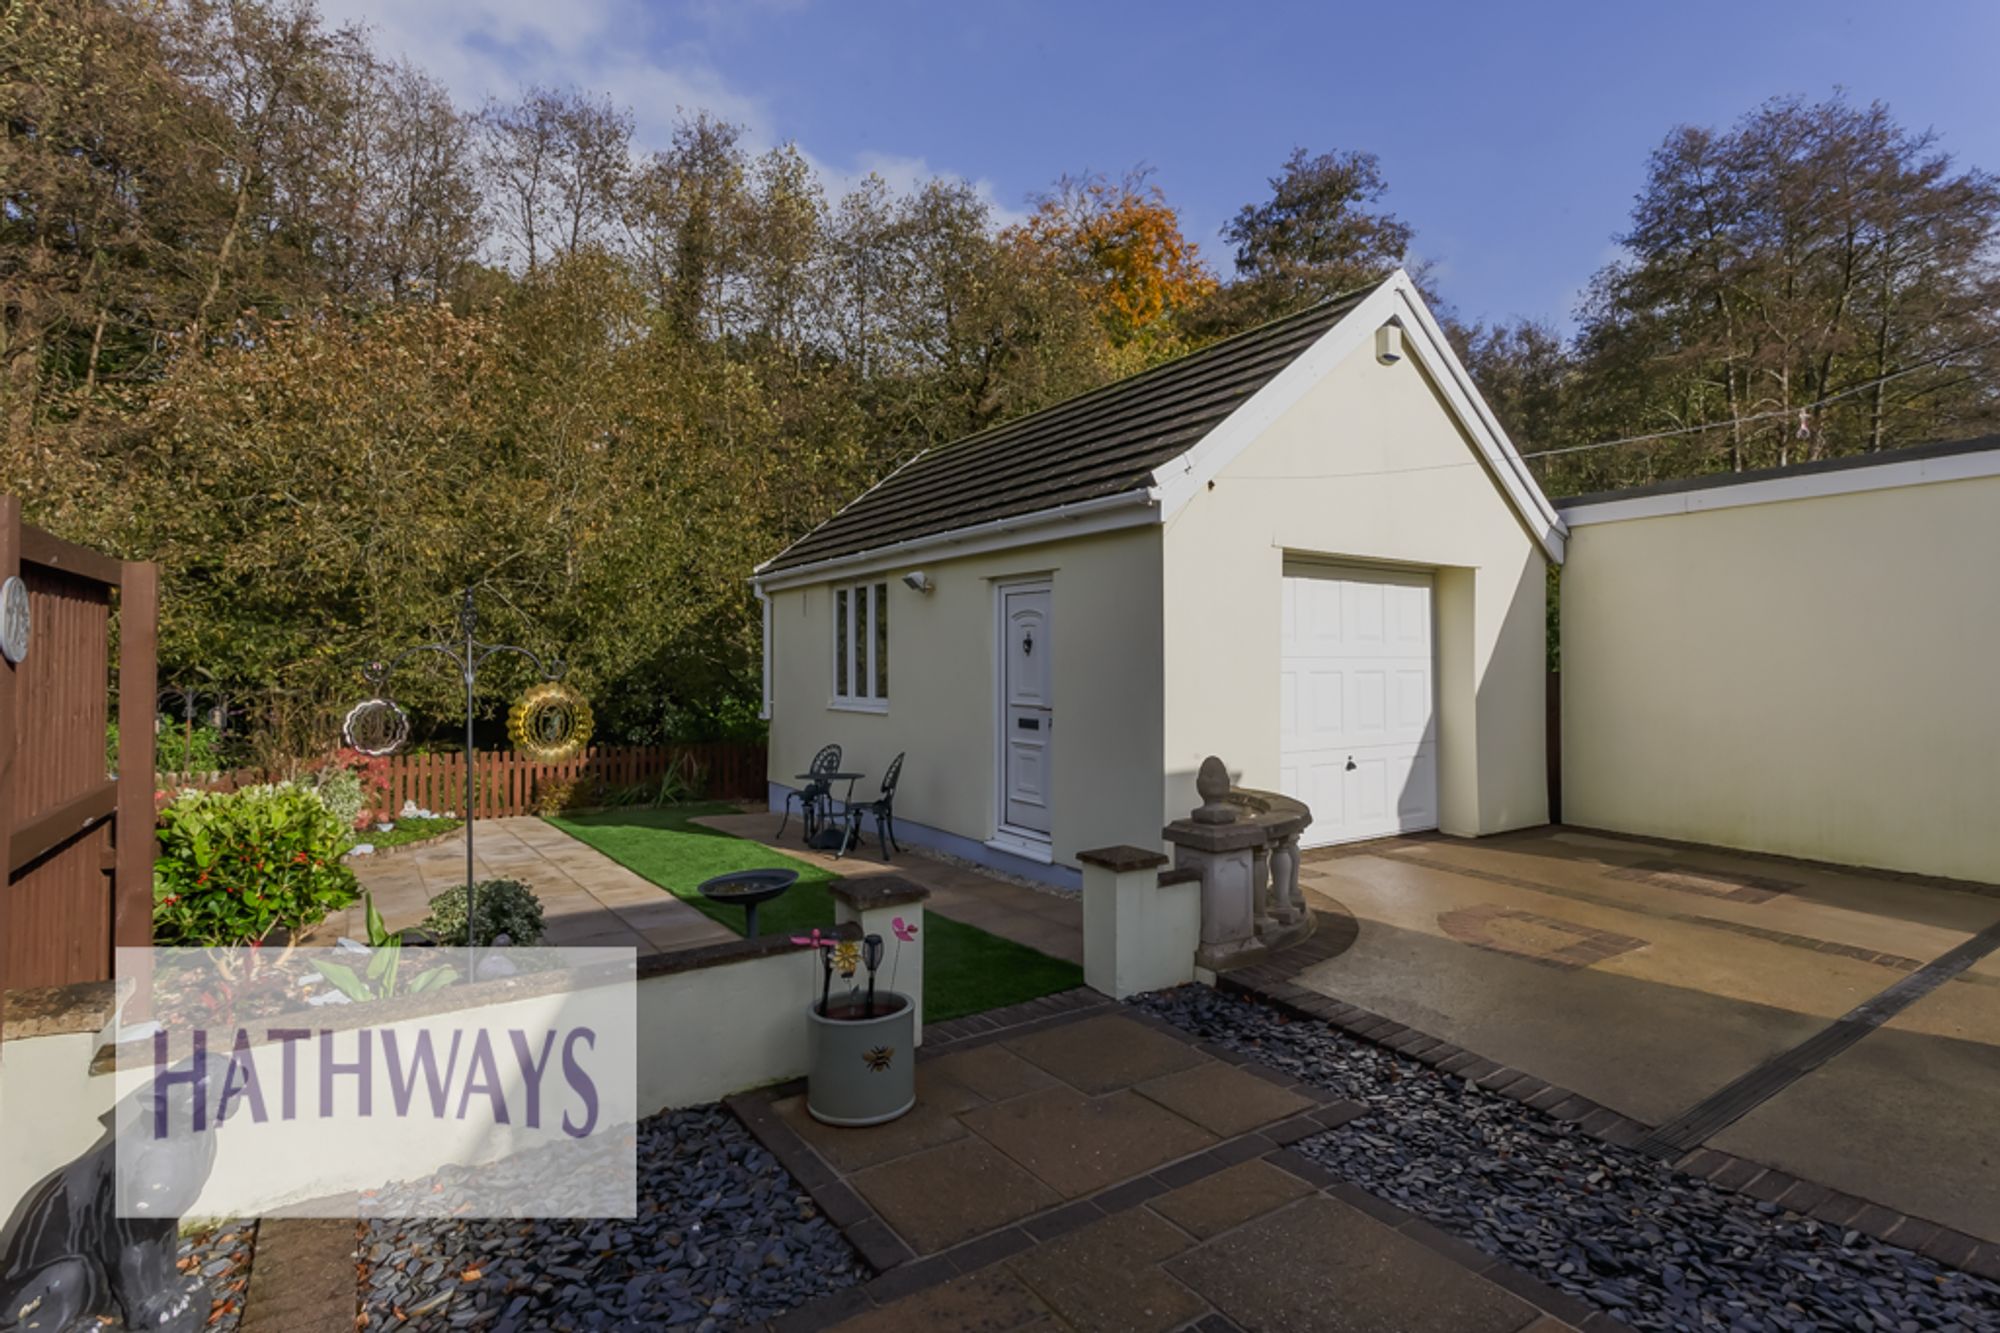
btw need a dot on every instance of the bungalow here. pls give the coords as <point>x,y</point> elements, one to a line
<point>1309,549</point>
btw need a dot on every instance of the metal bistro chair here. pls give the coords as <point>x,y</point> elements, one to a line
<point>815,793</point>
<point>884,810</point>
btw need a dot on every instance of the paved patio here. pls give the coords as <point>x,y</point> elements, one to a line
<point>1651,977</point>
<point>1098,1170</point>
<point>588,899</point>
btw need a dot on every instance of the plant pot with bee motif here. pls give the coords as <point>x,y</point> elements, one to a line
<point>861,1068</point>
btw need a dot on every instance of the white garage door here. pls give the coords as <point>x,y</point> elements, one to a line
<point>1358,738</point>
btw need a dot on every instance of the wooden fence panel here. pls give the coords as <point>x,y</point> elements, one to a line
<point>58,902</point>
<point>135,835</point>
<point>508,783</point>
<point>78,843</point>
<point>10,566</point>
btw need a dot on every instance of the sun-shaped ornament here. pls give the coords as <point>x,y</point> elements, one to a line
<point>550,724</point>
<point>376,727</point>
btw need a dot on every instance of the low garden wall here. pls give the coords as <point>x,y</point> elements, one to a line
<point>54,1110</point>
<point>711,1021</point>
<point>727,1017</point>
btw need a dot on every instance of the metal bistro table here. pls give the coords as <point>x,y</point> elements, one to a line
<point>827,837</point>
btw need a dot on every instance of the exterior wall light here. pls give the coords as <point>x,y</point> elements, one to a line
<point>919,581</point>
<point>1389,344</point>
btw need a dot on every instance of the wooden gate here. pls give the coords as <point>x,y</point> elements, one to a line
<point>78,843</point>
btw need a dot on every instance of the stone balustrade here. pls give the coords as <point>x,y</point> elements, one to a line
<point>1230,897</point>
<point>1244,844</point>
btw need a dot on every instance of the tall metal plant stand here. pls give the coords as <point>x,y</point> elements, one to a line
<point>468,654</point>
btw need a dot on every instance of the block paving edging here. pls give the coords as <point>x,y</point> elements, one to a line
<point>1272,983</point>
<point>899,1273</point>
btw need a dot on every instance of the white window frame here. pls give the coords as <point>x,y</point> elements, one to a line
<point>862,667</point>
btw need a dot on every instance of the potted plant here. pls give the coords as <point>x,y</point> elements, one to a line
<point>861,1066</point>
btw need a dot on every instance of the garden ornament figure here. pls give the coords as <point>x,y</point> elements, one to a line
<point>74,1264</point>
<point>551,723</point>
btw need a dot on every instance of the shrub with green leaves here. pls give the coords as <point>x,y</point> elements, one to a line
<point>506,907</point>
<point>352,784</point>
<point>341,789</point>
<point>235,866</point>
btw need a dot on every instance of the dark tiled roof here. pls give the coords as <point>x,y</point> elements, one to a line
<point>1101,443</point>
<point>1845,463</point>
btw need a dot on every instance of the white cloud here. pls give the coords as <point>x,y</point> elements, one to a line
<point>903,173</point>
<point>492,48</point>
<point>482,49</point>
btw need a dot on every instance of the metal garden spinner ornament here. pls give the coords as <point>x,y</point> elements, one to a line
<point>551,724</point>
<point>376,727</point>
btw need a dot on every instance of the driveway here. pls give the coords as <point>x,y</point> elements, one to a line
<point>1651,977</point>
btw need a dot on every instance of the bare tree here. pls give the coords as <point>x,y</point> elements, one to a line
<point>287,86</point>
<point>557,163</point>
<point>429,224</point>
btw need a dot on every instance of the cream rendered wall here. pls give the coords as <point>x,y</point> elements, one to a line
<point>1106,611</point>
<point>1813,677</point>
<point>53,1108</point>
<point>703,1034</point>
<point>1369,466</point>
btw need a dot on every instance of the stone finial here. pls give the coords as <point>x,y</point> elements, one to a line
<point>1212,782</point>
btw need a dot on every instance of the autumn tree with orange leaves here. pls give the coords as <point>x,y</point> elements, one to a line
<point>1121,241</point>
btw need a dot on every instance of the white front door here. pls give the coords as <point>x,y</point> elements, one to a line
<point>1026,708</point>
<point>1357,717</point>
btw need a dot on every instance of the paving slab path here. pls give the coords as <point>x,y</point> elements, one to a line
<point>1072,1164</point>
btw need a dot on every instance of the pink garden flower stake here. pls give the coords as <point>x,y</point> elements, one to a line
<point>905,933</point>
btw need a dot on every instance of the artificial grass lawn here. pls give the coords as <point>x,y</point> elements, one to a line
<point>966,970</point>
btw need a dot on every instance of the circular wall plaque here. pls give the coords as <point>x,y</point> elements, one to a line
<point>15,624</point>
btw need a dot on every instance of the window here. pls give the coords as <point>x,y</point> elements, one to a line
<point>861,646</point>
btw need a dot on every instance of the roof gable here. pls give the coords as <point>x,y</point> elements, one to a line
<point>1396,301</point>
<point>1137,450</point>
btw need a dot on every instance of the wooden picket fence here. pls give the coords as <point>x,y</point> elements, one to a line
<point>506,783</point>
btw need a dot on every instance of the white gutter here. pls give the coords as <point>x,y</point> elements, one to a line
<point>1103,514</point>
<point>1893,475</point>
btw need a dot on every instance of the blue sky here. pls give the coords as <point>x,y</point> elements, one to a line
<point>1513,135</point>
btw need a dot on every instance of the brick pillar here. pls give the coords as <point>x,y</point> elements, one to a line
<point>1140,927</point>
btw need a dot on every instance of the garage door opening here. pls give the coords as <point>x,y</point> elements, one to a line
<point>1357,701</point>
